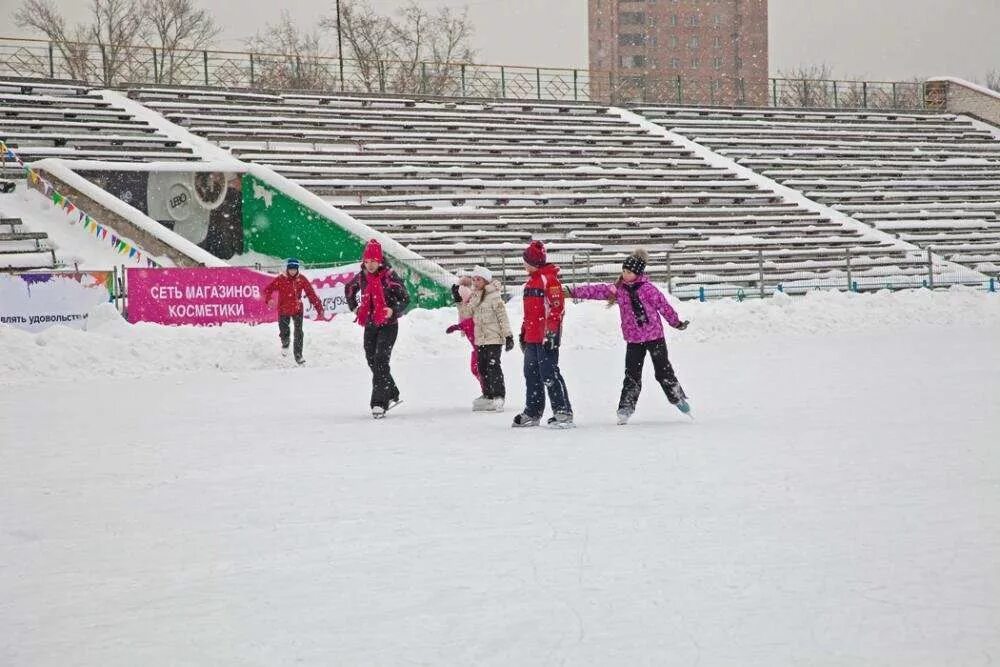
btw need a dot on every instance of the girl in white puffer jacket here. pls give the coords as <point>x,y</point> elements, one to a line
<point>492,335</point>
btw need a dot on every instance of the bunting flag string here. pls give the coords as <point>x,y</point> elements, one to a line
<point>75,214</point>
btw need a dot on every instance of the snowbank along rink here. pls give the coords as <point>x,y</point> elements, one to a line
<point>184,496</point>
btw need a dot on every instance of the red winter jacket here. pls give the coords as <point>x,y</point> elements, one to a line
<point>544,304</point>
<point>290,291</point>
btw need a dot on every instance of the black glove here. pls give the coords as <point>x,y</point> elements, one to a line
<point>520,341</point>
<point>455,294</point>
<point>683,325</point>
<point>551,341</point>
<point>509,343</point>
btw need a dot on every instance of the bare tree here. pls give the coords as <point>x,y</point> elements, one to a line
<point>805,86</point>
<point>42,16</point>
<point>290,57</point>
<point>414,51</point>
<point>438,43</point>
<point>115,24</point>
<point>176,28</point>
<point>993,80</point>
<point>104,48</point>
<point>371,43</point>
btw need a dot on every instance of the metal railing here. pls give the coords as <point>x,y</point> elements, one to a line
<point>753,274</point>
<point>140,65</point>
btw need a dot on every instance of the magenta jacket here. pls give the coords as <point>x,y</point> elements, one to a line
<point>653,302</point>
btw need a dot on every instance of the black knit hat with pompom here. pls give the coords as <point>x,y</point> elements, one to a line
<point>636,262</point>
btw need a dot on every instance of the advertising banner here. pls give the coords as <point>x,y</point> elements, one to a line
<point>210,296</point>
<point>36,301</point>
<point>205,207</point>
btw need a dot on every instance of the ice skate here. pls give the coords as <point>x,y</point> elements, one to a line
<point>623,417</point>
<point>560,420</point>
<point>482,404</point>
<point>524,421</point>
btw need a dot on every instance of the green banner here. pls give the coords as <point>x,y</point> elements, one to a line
<point>278,225</point>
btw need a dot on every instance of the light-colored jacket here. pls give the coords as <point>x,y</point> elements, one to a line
<point>488,311</point>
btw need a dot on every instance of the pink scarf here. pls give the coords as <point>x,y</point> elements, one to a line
<point>372,303</point>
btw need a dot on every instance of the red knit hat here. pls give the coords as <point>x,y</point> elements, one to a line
<point>373,250</point>
<point>534,254</point>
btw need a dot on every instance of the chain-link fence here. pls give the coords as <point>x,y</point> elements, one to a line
<point>129,65</point>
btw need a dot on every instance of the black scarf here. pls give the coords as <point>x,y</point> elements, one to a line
<point>637,308</point>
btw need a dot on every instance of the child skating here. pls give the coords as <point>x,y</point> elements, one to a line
<point>461,292</point>
<point>491,335</point>
<point>641,305</point>
<point>379,298</point>
<point>541,335</point>
<point>291,286</point>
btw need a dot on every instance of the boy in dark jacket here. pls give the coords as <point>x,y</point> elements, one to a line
<point>541,334</point>
<point>379,298</point>
<point>290,286</point>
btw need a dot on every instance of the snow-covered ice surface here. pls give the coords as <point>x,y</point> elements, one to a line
<point>184,496</point>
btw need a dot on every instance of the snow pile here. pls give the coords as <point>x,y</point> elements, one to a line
<point>74,246</point>
<point>112,347</point>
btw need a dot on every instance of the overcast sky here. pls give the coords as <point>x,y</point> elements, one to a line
<point>874,39</point>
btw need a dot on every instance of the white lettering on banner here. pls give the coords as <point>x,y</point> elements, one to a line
<point>203,292</point>
<point>207,310</point>
<point>164,292</point>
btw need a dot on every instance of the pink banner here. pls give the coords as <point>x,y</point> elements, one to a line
<point>209,296</point>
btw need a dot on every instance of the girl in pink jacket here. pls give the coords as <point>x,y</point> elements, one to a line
<point>461,292</point>
<point>641,306</point>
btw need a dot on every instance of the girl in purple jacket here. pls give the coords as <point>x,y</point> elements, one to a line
<point>641,305</point>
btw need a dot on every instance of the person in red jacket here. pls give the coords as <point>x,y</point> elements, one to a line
<point>290,287</point>
<point>541,333</point>
<point>379,298</point>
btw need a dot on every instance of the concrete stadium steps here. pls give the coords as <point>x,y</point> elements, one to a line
<point>23,250</point>
<point>40,119</point>
<point>450,178</point>
<point>906,174</point>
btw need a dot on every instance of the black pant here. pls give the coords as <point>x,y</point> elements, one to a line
<point>378,350</point>
<point>635,356</point>
<point>283,333</point>
<point>491,370</point>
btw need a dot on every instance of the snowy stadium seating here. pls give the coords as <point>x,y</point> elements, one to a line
<point>41,119</point>
<point>930,179</point>
<point>21,249</point>
<point>44,119</point>
<point>463,182</point>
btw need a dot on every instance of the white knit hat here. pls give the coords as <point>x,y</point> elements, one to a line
<point>482,272</point>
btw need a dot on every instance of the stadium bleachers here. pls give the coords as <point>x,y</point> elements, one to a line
<point>929,179</point>
<point>42,119</point>
<point>464,182</point>
<point>22,250</point>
